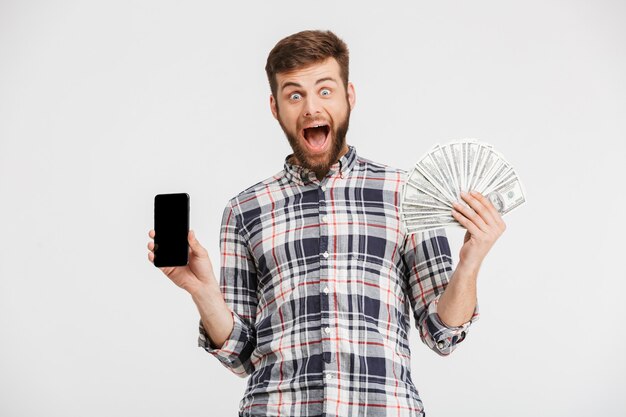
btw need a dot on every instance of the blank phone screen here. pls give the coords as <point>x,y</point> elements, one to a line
<point>171,227</point>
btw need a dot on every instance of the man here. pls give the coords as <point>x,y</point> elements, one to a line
<point>318,277</point>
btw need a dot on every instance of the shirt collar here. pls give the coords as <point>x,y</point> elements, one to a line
<point>302,176</point>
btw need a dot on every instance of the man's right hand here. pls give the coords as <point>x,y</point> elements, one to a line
<point>197,279</point>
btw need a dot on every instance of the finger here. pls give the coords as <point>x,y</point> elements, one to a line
<point>497,217</point>
<point>151,257</point>
<point>485,202</point>
<point>151,246</point>
<point>151,233</point>
<point>479,208</point>
<point>467,223</point>
<point>470,214</point>
<point>195,245</point>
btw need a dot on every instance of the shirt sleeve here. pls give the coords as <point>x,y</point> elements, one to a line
<point>429,263</point>
<point>238,282</point>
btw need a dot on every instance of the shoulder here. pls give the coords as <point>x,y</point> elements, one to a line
<point>249,196</point>
<point>377,169</point>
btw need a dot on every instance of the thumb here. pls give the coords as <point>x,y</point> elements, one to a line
<point>195,246</point>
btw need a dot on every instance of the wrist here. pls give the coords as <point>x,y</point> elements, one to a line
<point>206,293</point>
<point>468,267</point>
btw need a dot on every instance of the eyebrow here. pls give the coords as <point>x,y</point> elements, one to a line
<point>294,84</point>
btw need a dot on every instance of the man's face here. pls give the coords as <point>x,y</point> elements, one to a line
<point>313,109</point>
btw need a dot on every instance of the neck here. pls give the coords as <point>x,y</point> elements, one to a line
<point>320,173</point>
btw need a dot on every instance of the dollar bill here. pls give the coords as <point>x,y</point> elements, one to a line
<point>493,176</point>
<point>421,183</point>
<point>481,154</point>
<point>415,196</point>
<point>429,170</point>
<point>439,157</point>
<point>507,196</point>
<point>506,177</point>
<point>489,160</point>
<point>431,226</point>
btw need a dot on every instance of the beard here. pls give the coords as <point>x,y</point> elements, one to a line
<point>321,166</point>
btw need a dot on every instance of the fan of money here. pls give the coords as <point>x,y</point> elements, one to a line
<point>440,176</point>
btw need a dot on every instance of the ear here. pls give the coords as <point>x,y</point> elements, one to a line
<point>351,96</point>
<point>273,107</point>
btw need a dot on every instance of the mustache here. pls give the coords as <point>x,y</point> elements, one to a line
<point>315,122</point>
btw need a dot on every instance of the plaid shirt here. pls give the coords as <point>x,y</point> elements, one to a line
<point>321,279</point>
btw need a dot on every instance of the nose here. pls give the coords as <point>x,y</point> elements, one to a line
<point>312,106</point>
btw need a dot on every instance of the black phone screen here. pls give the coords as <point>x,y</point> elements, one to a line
<point>171,227</point>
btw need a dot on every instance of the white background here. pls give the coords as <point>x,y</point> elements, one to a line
<point>104,104</point>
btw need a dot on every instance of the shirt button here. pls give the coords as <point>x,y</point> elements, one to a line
<point>325,254</point>
<point>324,219</point>
<point>327,330</point>
<point>323,188</point>
<point>441,344</point>
<point>329,377</point>
<point>326,290</point>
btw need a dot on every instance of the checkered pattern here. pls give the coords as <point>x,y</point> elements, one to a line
<point>322,280</point>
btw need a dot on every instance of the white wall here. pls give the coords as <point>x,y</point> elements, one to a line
<point>94,96</point>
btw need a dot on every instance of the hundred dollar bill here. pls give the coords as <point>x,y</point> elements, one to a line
<point>409,208</point>
<point>491,178</point>
<point>430,221</point>
<point>419,218</point>
<point>457,156</point>
<point>462,158</point>
<point>489,160</point>
<point>422,227</point>
<point>439,157</point>
<point>419,181</point>
<point>505,177</point>
<point>507,196</point>
<point>449,162</point>
<point>481,152</point>
<point>432,174</point>
<point>472,150</point>
<point>414,196</point>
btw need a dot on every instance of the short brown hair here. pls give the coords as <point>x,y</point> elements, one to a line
<point>305,48</point>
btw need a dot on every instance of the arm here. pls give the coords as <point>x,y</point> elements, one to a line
<point>429,264</point>
<point>226,314</point>
<point>484,226</point>
<point>197,279</point>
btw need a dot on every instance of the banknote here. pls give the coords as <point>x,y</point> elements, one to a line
<point>507,196</point>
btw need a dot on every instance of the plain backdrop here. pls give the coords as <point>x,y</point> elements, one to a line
<point>104,104</point>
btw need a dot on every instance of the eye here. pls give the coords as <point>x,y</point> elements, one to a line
<point>295,96</point>
<point>325,92</point>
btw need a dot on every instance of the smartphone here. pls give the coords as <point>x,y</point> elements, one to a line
<point>171,228</point>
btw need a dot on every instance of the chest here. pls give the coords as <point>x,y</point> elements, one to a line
<point>335,225</point>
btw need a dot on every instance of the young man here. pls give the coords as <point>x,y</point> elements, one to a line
<point>318,278</point>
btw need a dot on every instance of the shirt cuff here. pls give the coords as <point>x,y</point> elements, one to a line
<point>441,337</point>
<point>237,348</point>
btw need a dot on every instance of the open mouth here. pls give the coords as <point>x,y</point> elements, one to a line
<point>316,136</point>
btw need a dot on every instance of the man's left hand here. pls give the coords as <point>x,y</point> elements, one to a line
<point>484,226</point>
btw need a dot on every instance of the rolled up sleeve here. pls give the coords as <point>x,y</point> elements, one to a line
<point>438,336</point>
<point>236,351</point>
<point>429,264</point>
